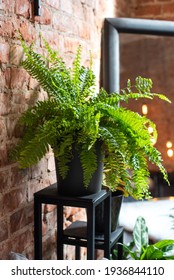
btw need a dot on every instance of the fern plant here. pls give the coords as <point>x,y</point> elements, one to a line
<point>75,113</point>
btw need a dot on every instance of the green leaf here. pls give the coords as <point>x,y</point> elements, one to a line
<point>164,243</point>
<point>140,233</point>
<point>133,254</point>
<point>151,253</point>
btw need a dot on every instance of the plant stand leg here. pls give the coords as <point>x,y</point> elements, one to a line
<point>90,232</point>
<point>60,232</point>
<point>37,229</point>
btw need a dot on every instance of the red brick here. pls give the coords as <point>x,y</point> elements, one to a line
<point>144,3</point>
<point>23,7</point>
<point>53,3</point>
<point>71,44</point>
<point>2,214</point>
<point>45,18</point>
<point>21,242</point>
<point>16,54</point>
<point>90,3</point>
<point>12,127</point>
<point>79,11</point>
<point>35,185</point>
<point>3,134</point>
<point>14,199</point>
<point>49,248</point>
<point>18,102</point>
<point>5,180</point>
<point>4,53</point>
<point>88,14</point>
<point>65,23</point>
<point>19,78</point>
<point>70,211</point>
<point>67,6</point>
<point>33,84</point>
<point>7,77</point>
<point>49,222</point>
<point>6,29</point>
<point>7,5</point>
<point>5,249</point>
<point>53,38</point>
<point>39,169</point>
<point>84,30</point>
<point>19,177</point>
<point>3,230</point>
<point>44,228</point>
<point>168,8</point>
<point>27,30</point>
<point>3,155</point>
<point>21,218</point>
<point>148,10</point>
<point>169,17</point>
<point>49,208</point>
<point>2,81</point>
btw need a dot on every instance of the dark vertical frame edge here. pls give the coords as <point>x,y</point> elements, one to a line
<point>37,7</point>
<point>111,46</point>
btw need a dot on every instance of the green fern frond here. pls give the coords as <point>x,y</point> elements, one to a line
<point>115,170</point>
<point>36,67</point>
<point>77,66</point>
<point>40,112</point>
<point>55,80</point>
<point>108,139</point>
<point>75,114</point>
<point>89,163</point>
<point>63,154</point>
<point>162,97</point>
<point>143,88</point>
<point>34,150</point>
<point>53,55</point>
<point>142,84</point>
<point>87,85</point>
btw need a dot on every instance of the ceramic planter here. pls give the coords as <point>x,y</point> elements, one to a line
<point>73,184</point>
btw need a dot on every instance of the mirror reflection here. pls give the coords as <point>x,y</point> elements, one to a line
<point>152,57</point>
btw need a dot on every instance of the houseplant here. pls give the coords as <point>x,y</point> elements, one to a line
<point>141,249</point>
<point>74,118</point>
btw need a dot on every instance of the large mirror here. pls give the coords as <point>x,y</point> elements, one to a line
<point>135,47</point>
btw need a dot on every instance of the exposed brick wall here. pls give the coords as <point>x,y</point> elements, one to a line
<point>64,24</point>
<point>154,9</point>
<point>150,9</point>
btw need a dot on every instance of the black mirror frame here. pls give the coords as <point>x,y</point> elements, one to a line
<point>111,54</point>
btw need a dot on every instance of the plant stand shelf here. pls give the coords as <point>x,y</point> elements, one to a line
<point>76,234</point>
<point>50,195</point>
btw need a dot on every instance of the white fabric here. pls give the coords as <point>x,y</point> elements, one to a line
<point>16,256</point>
<point>156,213</point>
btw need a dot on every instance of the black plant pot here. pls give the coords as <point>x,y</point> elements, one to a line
<point>116,202</point>
<point>73,184</point>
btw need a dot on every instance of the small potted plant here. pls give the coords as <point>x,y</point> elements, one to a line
<point>86,127</point>
<point>140,248</point>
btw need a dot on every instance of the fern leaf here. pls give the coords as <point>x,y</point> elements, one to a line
<point>64,155</point>
<point>77,65</point>
<point>89,163</point>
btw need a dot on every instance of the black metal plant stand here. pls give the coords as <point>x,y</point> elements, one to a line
<point>80,233</point>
